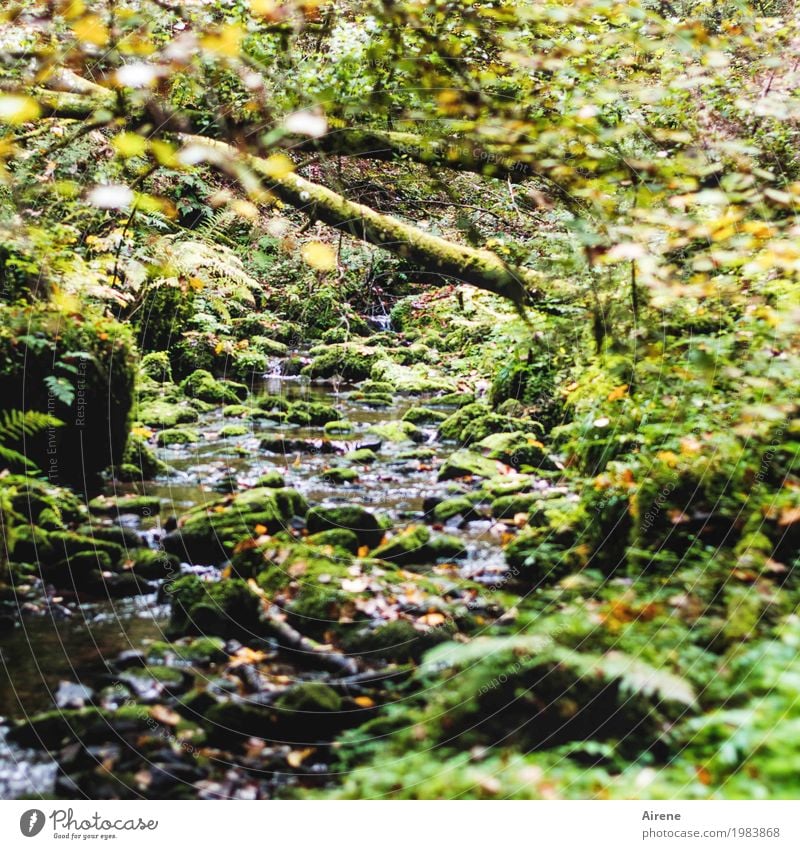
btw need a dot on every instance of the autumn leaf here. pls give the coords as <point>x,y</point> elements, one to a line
<point>296,757</point>
<point>319,256</point>
<point>165,715</point>
<point>364,701</point>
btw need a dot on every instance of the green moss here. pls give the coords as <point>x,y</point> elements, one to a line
<point>201,384</point>
<point>232,431</point>
<point>466,463</point>
<point>164,414</point>
<point>226,608</point>
<point>339,428</point>
<point>79,369</point>
<point>153,564</point>
<point>311,413</point>
<point>309,697</point>
<point>271,480</point>
<point>423,415</point>
<point>209,533</point>
<point>339,538</point>
<point>361,457</point>
<point>177,436</point>
<point>137,505</point>
<point>338,476</point>
<point>157,367</point>
<point>199,651</point>
<point>361,522</point>
<point>397,431</point>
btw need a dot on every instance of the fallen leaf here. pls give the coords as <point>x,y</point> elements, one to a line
<point>297,756</point>
<point>164,715</point>
<point>364,701</point>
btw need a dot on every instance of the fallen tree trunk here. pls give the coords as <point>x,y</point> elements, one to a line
<point>434,256</point>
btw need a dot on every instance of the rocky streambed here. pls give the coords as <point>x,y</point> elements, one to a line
<point>276,583</point>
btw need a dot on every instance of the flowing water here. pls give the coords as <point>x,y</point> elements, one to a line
<point>62,642</point>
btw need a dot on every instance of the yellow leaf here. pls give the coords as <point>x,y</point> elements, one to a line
<point>71,9</point>
<point>277,166</point>
<point>619,392</point>
<point>265,9</point>
<point>197,284</point>
<point>363,551</point>
<point>17,109</point>
<point>130,144</point>
<point>143,432</point>
<point>245,209</point>
<point>260,529</point>
<point>246,656</point>
<point>164,715</point>
<point>296,757</point>
<point>92,30</point>
<point>364,701</point>
<point>319,255</point>
<point>225,42</point>
<point>165,153</point>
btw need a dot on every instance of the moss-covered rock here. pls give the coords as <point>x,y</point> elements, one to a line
<point>271,480</point>
<point>452,508</point>
<point>361,522</point>
<point>234,431</point>
<point>177,436</point>
<point>361,457</point>
<point>339,538</point>
<point>209,533</point>
<point>453,426</point>
<point>139,462</point>
<point>79,369</point>
<point>397,431</point>
<point>339,428</point>
<point>349,361</point>
<point>465,463</point>
<point>397,641</point>
<point>54,729</point>
<point>119,505</point>
<point>337,475</point>
<point>201,384</point>
<point>417,546</point>
<point>197,651</point>
<point>153,564</point>
<point>166,414</point>
<point>226,608</point>
<point>515,449</point>
<point>423,415</point>
<point>311,413</point>
<point>156,366</point>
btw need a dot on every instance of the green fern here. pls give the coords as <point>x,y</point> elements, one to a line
<point>15,425</point>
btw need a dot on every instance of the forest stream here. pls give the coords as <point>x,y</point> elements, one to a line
<point>67,649</point>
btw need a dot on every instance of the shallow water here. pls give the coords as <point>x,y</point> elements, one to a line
<point>66,641</point>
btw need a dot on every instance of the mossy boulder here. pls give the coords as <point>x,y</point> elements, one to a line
<point>56,728</point>
<point>136,505</point>
<point>153,564</point>
<point>361,522</point>
<point>349,361</point>
<point>339,428</point>
<point>209,533</point>
<point>201,384</point>
<point>397,431</point>
<point>398,641</point>
<point>271,480</point>
<point>226,608</point>
<point>233,431</point>
<point>156,366</point>
<point>197,651</point>
<point>79,369</point>
<point>177,436</point>
<point>139,462</point>
<point>459,507</point>
<point>361,457</point>
<point>453,399</point>
<point>337,475</point>
<point>339,538</point>
<point>417,546</point>
<point>166,414</point>
<point>424,416</point>
<point>542,555</point>
<point>515,449</point>
<point>311,413</point>
<point>465,463</point>
<point>453,426</point>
